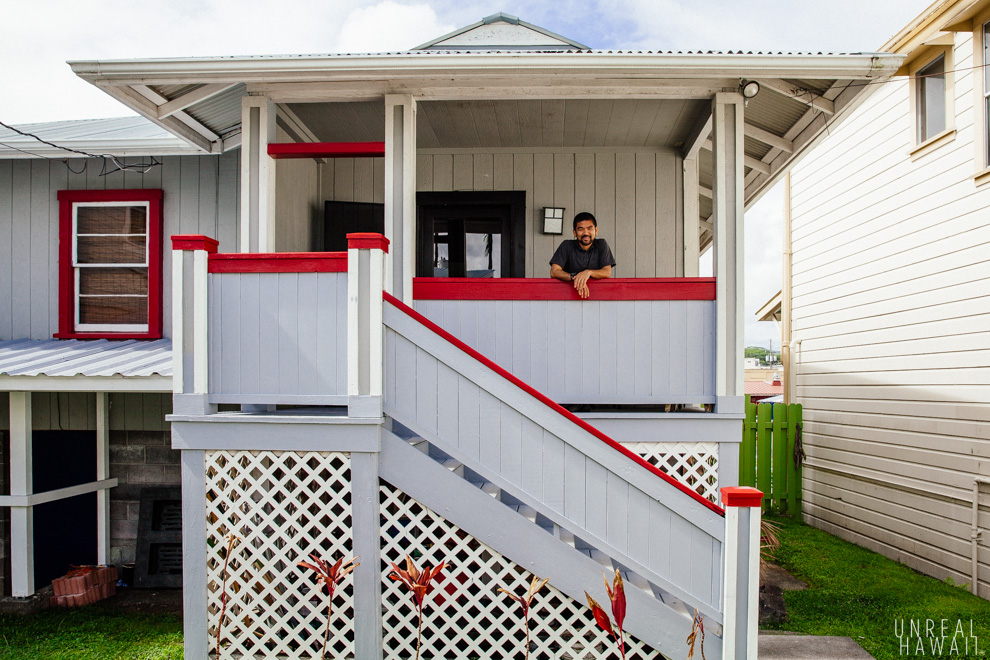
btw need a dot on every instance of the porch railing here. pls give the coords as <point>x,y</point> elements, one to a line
<point>635,341</point>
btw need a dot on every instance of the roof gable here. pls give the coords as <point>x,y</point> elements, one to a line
<point>501,31</point>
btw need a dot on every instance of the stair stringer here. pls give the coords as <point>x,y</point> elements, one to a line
<point>491,522</point>
<point>570,473</point>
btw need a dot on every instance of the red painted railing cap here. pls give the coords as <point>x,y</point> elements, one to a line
<point>367,241</point>
<point>194,242</point>
<point>741,496</point>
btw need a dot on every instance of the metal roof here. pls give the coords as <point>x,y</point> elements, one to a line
<point>91,358</point>
<point>119,136</point>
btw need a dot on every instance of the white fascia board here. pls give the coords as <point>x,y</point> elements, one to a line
<point>120,148</point>
<point>86,384</point>
<point>389,67</point>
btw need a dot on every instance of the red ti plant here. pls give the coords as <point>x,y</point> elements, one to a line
<point>617,595</point>
<point>526,602</point>
<point>698,626</point>
<point>419,584</point>
<point>329,577</point>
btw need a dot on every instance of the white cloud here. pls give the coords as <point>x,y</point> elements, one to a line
<point>389,26</point>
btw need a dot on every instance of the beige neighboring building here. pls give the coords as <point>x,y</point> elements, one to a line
<point>887,308</point>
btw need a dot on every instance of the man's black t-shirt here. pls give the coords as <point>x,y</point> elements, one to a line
<point>573,259</point>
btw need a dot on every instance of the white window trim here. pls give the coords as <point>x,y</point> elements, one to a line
<point>981,112</point>
<point>109,327</point>
<point>948,134</point>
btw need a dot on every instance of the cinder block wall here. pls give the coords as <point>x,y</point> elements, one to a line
<point>137,459</point>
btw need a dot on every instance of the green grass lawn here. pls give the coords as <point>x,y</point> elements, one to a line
<point>91,633</point>
<point>860,594</point>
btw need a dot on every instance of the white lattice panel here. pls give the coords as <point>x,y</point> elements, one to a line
<point>283,505</point>
<point>466,617</point>
<point>694,464</point>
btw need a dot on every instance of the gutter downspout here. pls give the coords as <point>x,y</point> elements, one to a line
<point>785,297</point>
<point>976,532</point>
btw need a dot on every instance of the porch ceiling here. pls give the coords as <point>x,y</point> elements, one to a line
<point>651,123</point>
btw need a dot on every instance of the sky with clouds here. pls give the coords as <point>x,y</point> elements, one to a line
<point>38,37</point>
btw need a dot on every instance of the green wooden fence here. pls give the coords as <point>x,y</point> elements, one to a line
<point>771,454</point>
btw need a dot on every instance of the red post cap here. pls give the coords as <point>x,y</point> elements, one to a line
<point>194,242</point>
<point>367,241</point>
<point>741,496</point>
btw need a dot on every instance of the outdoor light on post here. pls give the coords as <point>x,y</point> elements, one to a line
<point>553,220</point>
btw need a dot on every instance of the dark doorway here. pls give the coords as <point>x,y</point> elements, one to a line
<point>343,218</point>
<point>471,234</point>
<point>64,530</point>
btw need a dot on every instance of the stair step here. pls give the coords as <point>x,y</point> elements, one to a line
<point>486,487</point>
<point>453,465</point>
<point>527,512</point>
<point>565,536</point>
<point>420,444</point>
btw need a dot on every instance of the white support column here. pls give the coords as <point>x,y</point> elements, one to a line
<point>102,472</point>
<point>400,193</point>
<point>195,634</point>
<point>190,327</point>
<point>692,213</point>
<point>365,339</point>
<point>21,483</point>
<point>257,174</point>
<point>727,201</point>
<point>741,573</point>
<point>367,545</point>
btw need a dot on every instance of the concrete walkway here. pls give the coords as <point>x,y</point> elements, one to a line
<point>809,647</point>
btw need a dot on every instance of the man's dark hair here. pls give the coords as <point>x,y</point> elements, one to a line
<point>582,216</point>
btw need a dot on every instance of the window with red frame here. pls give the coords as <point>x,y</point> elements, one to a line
<point>110,264</point>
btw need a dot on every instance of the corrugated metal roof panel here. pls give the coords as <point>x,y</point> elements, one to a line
<point>120,136</point>
<point>220,113</point>
<point>117,128</point>
<point>71,357</point>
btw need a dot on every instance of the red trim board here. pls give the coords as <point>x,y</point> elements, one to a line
<point>402,307</point>
<point>280,150</point>
<point>519,288</point>
<point>741,496</point>
<point>195,242</point>
<point>66,273</point>
<point>279,262</point>
<point>367,241</point>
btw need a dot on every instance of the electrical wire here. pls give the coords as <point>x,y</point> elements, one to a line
<point>118,165</point>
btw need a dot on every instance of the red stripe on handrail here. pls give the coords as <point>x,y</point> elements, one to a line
<point>522,288</point>
<point>430,325</point>
<point>279,262</point>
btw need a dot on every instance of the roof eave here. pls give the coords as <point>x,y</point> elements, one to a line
<point>380,67</point>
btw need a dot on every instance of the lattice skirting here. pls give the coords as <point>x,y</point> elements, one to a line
<point>283,506</point>
<point>467,616</point>
<point>694,464</point>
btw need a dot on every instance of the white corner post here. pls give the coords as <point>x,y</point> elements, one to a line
<point>727,200</point>
<point>190,341</point>
<point>366,276</point>
<point>102,474</point>
<point>21,484</point>
<point>741,573</point>
<point>365,339</point>
<point>692,213</point>
<point>257,220</point>
<point>400,193</point>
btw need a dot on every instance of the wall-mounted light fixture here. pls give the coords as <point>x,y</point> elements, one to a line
<point>750,88</point>
<point>553,220</point>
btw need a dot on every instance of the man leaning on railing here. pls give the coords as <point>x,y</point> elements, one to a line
<point>585,258</point>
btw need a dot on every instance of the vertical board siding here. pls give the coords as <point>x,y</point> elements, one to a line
<point>76,411</point>
<point>619,352</point>
<point>633,194</point>
<point>600,501</point>
<point>200,197</point>
<point>893,366</point>
<point>277,337</point>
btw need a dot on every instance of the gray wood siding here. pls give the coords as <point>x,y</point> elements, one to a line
<point>891,304</point>
<point>633,194</point>
<point>76,411</point>
<point>560,469</point>
<point>592,351</point>
<point>278,337</point>
<point>200,197</point>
